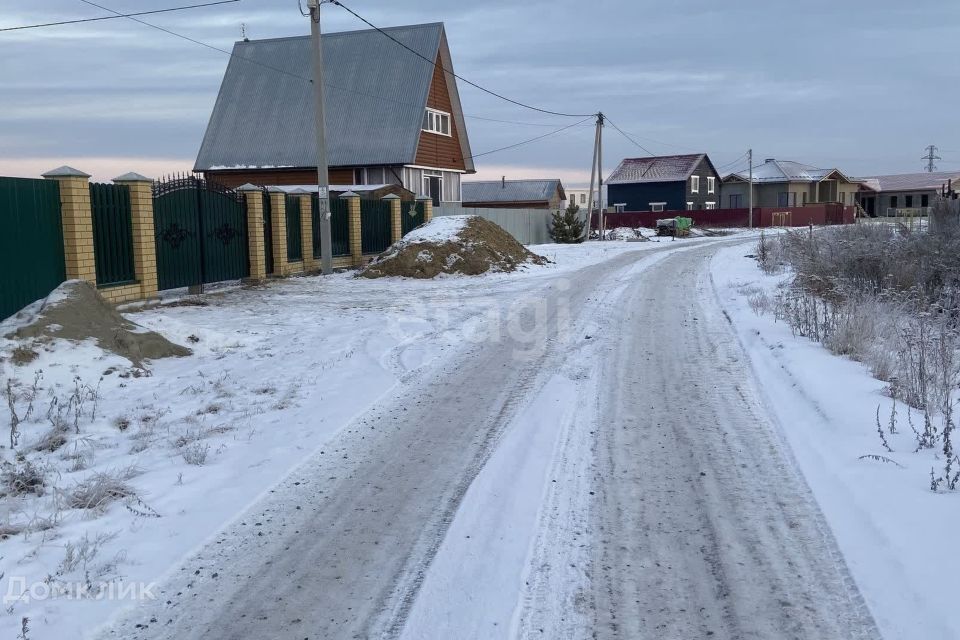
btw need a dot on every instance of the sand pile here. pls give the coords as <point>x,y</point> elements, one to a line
<point>75,311</point>
<point>467,245</point>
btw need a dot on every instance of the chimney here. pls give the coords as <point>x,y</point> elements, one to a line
<point>503,182</point>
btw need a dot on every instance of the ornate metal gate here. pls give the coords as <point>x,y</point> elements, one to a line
<point>201,232</point>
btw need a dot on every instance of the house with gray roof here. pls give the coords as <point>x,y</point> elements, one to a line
<point>391,116</point>
<point>785,183</point>
<point>664,183</point>
<point>903,194</point>
<point>516,194</point>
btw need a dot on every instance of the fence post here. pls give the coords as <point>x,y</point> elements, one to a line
<point>77,220</point>
<point>396,224</point>
<point>278,213</point>
<point>306,230</point>
<point>255,242</point>
<point>427,208</point>
<point>144,237</point>
<point>353,213</point>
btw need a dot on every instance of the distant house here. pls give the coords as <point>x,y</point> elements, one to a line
<point>904,193</point>
<point>580,197</point>
<point>664,183</point>
<point>784,183</point>
<point>514,194</point>
<point>391,116</point>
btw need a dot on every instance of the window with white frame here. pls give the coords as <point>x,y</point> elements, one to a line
<point>711,184</point>
<point>689,206</point>
<point>695,184</point>
<point>436,121</point>
<point>710,205</point>
<point>620,207</point>
<point>359,176</point>
<point>657,206</point>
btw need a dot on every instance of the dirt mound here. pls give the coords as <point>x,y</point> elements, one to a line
<point>75,311</point>
<point>467,245</point>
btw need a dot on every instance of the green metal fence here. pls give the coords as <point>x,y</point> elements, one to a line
<point>412,216</point>
<point>339,227</point>
<point>31,242</point>
<point>375,225</point>
<point>112,234</point>
<point>294,235</point>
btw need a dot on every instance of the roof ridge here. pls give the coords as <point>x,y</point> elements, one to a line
<point>342,33</point>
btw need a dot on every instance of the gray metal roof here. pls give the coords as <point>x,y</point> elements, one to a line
<point>511,190</point>
<point>375,95</point>
<point>655,169</point>
<point>775,171</point>
<point>911,181</point>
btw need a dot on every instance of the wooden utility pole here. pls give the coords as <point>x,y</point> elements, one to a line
<point>750,192</point>
<point>603,217</point>
<point>323,183</point>
<point>595,174</point>
<point>593,179</point>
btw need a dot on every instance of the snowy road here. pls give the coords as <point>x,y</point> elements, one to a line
<point>691,521</point>
<point>703,527</point>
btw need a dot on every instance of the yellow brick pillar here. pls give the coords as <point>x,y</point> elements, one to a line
<point>255,241</point>
<point>353,216</point>
<point>144,236</point>
<point>427,208</point>
<point>396,225</point>
<point>306,230</point>
<point>77,221</point>
<point>278,213</point>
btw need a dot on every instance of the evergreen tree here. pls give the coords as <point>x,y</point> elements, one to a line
<point>566,226</point>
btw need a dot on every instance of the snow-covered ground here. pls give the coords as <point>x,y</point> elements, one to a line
<point>898,537</point>
<point>281,372</point>
<point>277,371</point>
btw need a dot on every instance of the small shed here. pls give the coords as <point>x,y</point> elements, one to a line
<point>514,194</point>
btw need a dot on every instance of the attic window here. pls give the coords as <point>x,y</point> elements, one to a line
<point>711,184</point>
<point>695,184</point>
<point>436,122</point>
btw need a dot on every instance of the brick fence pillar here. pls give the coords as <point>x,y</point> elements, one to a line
<point>77,220</point>
<point>353,213</point>
<point>306,230</point>
<point>144,236</point>
<point>278,213</point>
<point>396,224</point>
<point>255,241</point>
<point>427,208</point>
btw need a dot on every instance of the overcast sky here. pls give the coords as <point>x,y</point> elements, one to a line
<point>861,85</point>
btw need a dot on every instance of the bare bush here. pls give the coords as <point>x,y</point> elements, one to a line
<point>23,478</point>
<point>100,489</point>
<point>195,453</point>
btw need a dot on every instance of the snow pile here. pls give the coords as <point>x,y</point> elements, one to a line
<point>75,311</point>
<point>467,245</point>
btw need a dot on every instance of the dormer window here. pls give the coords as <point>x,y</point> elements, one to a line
<point>436,121</point>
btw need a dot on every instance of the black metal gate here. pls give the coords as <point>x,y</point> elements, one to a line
<point>201,233</point>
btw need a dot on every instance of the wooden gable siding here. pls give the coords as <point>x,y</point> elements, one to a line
<point>435,150</point>
<point>277,177</point>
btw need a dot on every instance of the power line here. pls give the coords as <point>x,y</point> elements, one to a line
<point>520,144</point>
<point>193,40</point>
<point>333,86</point>
<point>613,124</point>
<point>931,158</point>
<point>122,15</point>
<point>459,77</point>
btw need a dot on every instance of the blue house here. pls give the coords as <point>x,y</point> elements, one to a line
<point>664,183</point>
